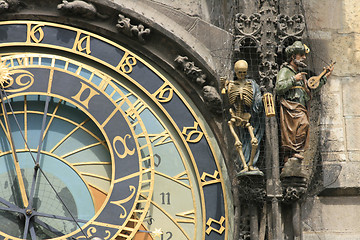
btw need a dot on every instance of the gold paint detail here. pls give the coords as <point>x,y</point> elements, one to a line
<point>50,80</point>
<point>127,151</point>
<point>35,33</point>
<point>175,179</point>
<point>109,117</point>
<point>25,122</point>
<point>215,178</point>
<point>157,233</point>
<point>4,74</point>
<point>126,63</point>
<point>21,60</point>
<point>86,101</point>
<point>192,131</point>
<point>83,149</point>
<point>79,42</point>
<point>90,163</point>
<point>93,230</point>
<point>68,135</point>
<point>19,80</point>
<point>51,119</point>
<point>119,202</point>
<point>156,136</point>
<point>137,107</point>
<point>180,176</point>
<point>164,94</point>
<point>144,174</point>
<point>97,188</point>
<point>170,217</point>
<point>95,176</point>
<point>220,223</point>
<point>14,156</point>
<point>108,235</point>
<point>188,215</point>
<point>127,177</point>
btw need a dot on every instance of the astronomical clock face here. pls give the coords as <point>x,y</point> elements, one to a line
<point>95,142</point>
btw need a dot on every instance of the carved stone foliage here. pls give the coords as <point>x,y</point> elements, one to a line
<point>268,68</point>
<point>210,94</point>
<point>81,9</point>
<point>268,72</point>
<point>137,31</point>
<point>290,27</point>
<point>9,6</point>
<point>271,3</point>
<point>294,189</point>
<point>247,28</point>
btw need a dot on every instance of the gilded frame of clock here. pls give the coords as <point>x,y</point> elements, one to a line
<point>153,91</point>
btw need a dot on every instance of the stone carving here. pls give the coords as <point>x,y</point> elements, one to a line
<point>195,74</point>
<point>138,31</point>
<point>78,8</point>
<point>247,117</point>
<point>292,194</point>
<point>247,28</point>
<point>294,189</point>
<point>289,27</point>
<point>192,71</point>
<point>212,99</point>
<point>10,5</point>
<point>268,72</point>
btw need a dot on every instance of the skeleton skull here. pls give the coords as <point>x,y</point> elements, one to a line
<point>240,69</point>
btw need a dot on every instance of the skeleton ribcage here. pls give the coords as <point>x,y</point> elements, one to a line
<point>240,96</point>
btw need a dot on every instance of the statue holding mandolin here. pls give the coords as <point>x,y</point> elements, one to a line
<point>294,93</point>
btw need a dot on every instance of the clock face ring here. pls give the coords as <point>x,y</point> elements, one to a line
<point>66,119</point>
<point>166,165</point>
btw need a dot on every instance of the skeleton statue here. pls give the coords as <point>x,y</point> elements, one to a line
<point>247,117</point>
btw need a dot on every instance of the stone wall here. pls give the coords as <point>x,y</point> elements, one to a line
<point>334,31</point>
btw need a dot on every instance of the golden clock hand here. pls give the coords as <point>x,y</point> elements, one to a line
<point>13,152</point>
<point>37,167</point>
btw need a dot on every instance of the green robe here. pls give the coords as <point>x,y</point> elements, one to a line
<point>292,90</point>
<point>294,119</point>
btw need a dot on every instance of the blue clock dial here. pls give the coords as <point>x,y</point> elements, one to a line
<point>120,139</point>
<point>70,141</point>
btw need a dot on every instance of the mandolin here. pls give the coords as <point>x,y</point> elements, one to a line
<point>314,82</point>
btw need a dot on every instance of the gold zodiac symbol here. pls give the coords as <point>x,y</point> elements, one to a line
<point>19,80</point>
<point>118,203</point>
<point>127,151</point>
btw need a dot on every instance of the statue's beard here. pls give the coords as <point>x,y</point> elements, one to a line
<point>300,63</point>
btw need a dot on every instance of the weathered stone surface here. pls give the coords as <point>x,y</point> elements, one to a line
<point>190,7</point>
<point>177,25</point>
<point>352,133</point>
<point>332,218</point>
<point>331,108</point>
<point>354,156</point>
<point>332,138</point>
<point>334,156</point>
<point>351,15</point>
<point>324,14</point>
<point>333,85</point>
<point>351,96</point>
<point>341,175</point>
